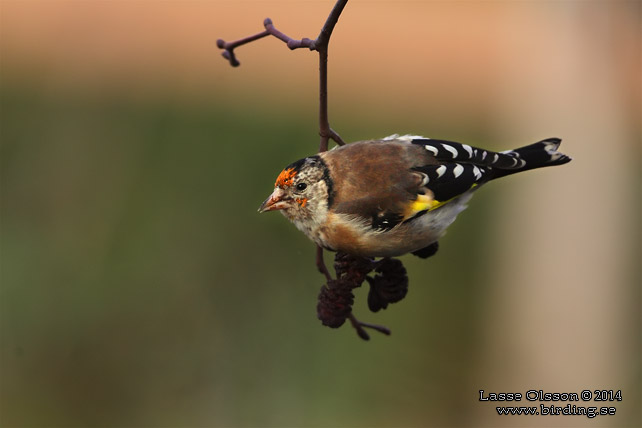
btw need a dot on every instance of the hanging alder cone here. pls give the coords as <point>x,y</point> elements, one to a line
<point>390,285</point>
<point>353,268</point>
<point>336,298</point>
<point>335,303</point>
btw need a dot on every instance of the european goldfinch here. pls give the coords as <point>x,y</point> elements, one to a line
<point>396,195</point>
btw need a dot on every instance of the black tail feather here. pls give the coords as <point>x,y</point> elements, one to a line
<point>538,155</point>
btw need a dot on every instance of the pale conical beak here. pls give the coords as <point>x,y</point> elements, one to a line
<point>276,201</point>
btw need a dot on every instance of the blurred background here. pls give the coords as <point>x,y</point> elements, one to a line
<point>139,286</point>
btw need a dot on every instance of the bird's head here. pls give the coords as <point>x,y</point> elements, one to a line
<point>302,192</point>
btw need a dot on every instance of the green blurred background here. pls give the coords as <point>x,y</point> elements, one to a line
<point>139,286</point>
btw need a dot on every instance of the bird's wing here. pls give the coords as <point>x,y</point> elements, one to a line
<point>461,167</point>
<point>449,151</point>
<point>390,182</point>
<point>373,180</point>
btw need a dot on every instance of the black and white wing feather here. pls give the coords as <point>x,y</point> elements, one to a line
<point>462,167</point>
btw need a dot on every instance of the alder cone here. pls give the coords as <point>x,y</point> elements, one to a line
<point>390,285</point>
<point>335,303</point>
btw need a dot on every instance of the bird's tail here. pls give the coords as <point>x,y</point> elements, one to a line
<point>538,155</point>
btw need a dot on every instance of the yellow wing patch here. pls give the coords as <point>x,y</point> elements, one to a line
<point>422,203</point>
<point>426,203</point>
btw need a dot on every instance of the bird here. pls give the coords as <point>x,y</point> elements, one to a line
<point>396,195</point>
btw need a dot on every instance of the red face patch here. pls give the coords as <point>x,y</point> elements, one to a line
<point>286,178</point>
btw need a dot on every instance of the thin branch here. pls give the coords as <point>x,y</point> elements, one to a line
<point>321,264</point>
<point>270,30</point>
<point>228,54</point>
<point>320,44</point>
<point>359,326</point>
<point>324,122</point>
<point>324,37</point>
<point>361,332</point>
<point>290,42</point>
<point>336,138</point>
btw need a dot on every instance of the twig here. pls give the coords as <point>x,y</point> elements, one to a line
<point>270,30</point>
<point>320,44</point>
<point>321,264</point>
<point>359,326</point>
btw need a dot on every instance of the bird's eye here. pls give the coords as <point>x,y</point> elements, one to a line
<point>301,187</point>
